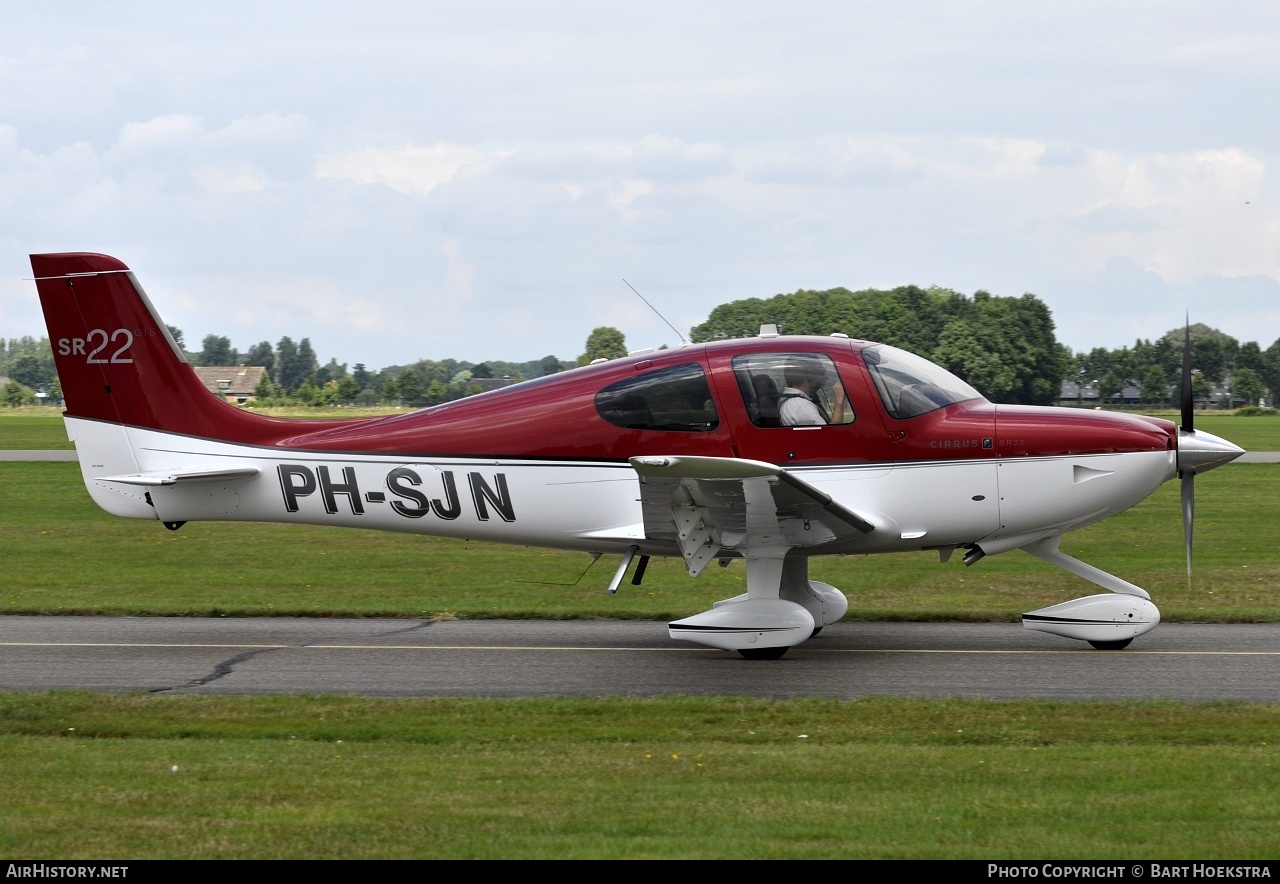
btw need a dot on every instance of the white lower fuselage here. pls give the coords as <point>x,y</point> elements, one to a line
<point>1001,503</point>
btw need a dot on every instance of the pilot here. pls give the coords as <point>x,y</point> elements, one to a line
<point>798,405</point>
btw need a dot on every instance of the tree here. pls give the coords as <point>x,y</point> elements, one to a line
<point>1270,374</point>
<point>459,383</point>
<point>176,334</point>
<point>16,394</point>
<point>549,365</point>
<point>482,371</point>
<point>1247,385</point>
<point>28,372</point>
<point>217,350</point>
<point>1155,385</point>
<point>390,389</point>
<point>308,392</point>
<point>362,377</point>
<point>260,353</point>
<point>604,342</point>
<point>1213,352</point>
<point>348,390</point>
<point>263,388</point>
<point>307,362</point>
<point>410,389</point>
<point>1004,346</point>
<point>331,371</point>
<point>286,373</point>
<point>1111,385</point>
<point>960,352</point>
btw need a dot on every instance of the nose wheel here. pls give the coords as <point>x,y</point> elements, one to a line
<point>762,653</point>
<point>1118,645</point>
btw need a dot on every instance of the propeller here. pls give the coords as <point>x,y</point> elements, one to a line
<point>1188,428</point>
<point>1197,451</point>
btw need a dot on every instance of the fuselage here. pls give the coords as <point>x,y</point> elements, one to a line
<point>546,462</point>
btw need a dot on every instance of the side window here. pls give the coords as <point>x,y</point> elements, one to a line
<point>792,389</point>
<point>675,398</point>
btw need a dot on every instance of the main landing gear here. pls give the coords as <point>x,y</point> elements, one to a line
<point>781,608</point>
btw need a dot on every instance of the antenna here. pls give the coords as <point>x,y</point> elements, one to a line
<point>655,310</point>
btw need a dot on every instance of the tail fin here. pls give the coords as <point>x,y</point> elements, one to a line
<point>118,363</point>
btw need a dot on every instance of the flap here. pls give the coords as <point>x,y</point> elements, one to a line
<point>707,505</point>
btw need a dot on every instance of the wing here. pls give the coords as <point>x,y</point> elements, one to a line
<point>708,505</point>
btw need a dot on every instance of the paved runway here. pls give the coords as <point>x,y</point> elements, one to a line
<point>495,658</point>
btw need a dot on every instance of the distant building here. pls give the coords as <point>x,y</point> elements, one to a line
<point>232,383</point>
<point>1073,394</point>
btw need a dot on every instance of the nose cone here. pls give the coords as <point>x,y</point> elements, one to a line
<point>1199,451</point>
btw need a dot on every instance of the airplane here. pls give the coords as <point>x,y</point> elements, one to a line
<point>681,452</point>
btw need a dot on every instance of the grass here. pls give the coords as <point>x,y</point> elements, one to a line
<point>64,555</point>
<point>33,428</point>
<point>138,777</point>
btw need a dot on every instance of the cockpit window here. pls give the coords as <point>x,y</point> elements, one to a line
<point>792,389</point>
<point>910,386</point>
<point>675,398</point>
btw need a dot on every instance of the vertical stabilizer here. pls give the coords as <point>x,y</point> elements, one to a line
<point>116,361</point>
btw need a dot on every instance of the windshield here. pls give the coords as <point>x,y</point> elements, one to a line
<point>911,386</point>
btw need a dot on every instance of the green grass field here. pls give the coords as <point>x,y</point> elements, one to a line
<point>138,776</point>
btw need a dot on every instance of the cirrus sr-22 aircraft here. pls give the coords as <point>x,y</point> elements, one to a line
<point>685,452</point>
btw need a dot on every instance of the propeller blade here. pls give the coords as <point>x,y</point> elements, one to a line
<point>1188,515</point>
<point>1187,398</point>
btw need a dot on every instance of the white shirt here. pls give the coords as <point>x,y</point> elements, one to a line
<point>796,409</point>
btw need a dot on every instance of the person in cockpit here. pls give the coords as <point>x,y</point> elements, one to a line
<point>798,404</point>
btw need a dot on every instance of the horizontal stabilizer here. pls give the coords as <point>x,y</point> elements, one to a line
<point>213,473</point>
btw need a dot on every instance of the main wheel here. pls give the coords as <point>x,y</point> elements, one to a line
<point>1117,645</point>
<point>762,653</point>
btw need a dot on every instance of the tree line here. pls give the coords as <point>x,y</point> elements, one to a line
<point>1005,347</point>
<point>1242,372</point>
<point>295,376</point>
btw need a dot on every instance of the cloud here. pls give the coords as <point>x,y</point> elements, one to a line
<point>410,170</point>
<point>427,181</point>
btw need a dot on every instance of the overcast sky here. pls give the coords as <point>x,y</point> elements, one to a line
<point>405,180</point>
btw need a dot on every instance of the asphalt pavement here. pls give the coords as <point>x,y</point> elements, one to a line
<point>511,658</point>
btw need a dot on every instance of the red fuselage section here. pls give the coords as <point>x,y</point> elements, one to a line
<point>574,416</point>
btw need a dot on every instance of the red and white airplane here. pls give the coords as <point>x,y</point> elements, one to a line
<point>705,451</point>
